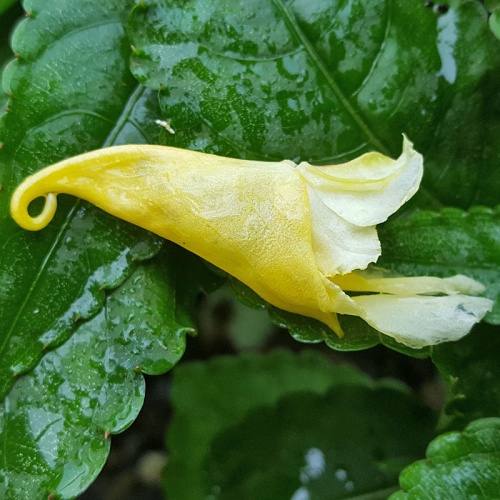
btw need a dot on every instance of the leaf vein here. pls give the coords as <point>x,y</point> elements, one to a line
<point>376,59</point>
<point>320,65</point>
<point>37,278</point>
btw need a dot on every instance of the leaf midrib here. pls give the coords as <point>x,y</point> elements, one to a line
<point>292,22</point>
<point>38,276</point>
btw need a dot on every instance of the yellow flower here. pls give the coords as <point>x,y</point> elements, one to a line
<point>295,234</point>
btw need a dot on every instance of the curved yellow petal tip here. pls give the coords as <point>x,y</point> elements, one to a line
<point>19,210</point>
<point>294,234</point>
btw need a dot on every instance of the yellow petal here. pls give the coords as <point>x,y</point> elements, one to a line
<point>292,234</point>
<point>367,190</point>
<point>251,219</point>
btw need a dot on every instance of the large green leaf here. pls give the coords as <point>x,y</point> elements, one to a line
<point>459,466</point>
<point>209,397</point>
<point>252,427</point>
<point>324,82</point>
<point>351,441</point>
<point>70,92</point>
<point>55,422</point>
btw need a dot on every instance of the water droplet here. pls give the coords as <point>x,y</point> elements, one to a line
<point>341,474</point>
<point>349,486</point>
<point>446,40</point>
<point>301,494</point>
<point>315,465</point>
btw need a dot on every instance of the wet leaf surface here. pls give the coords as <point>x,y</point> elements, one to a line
<point>70,92</point>
<point>325,82</point>
<point>316,81</point>
<point>458,466</point>
<point>57,420</point>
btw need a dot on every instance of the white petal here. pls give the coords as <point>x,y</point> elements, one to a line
<point>422,321</point>
<point>339,246</point>
<point>367,190</point>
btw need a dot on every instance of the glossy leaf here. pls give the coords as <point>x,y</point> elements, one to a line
<point>70,92</point>
<point>472,371</point>
<point>302,81</point>
<point>325,81</point>
<point>56,420</point>
<point>257,426</point>
<point>458,466</point>
<point>447,243</point>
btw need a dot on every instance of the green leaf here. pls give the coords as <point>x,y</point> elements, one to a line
<point>70,92</point>
<point>209,397</point>
<point>444,244</point>
<point>459,466</point>
<point>350,441</point>
<point>326,81</point>
<point>253,427</point>
<point>472,371</point>
<point>302,80</point>
<point>56,420</point>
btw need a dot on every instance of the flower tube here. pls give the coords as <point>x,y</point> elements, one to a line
<point>295,234</point>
